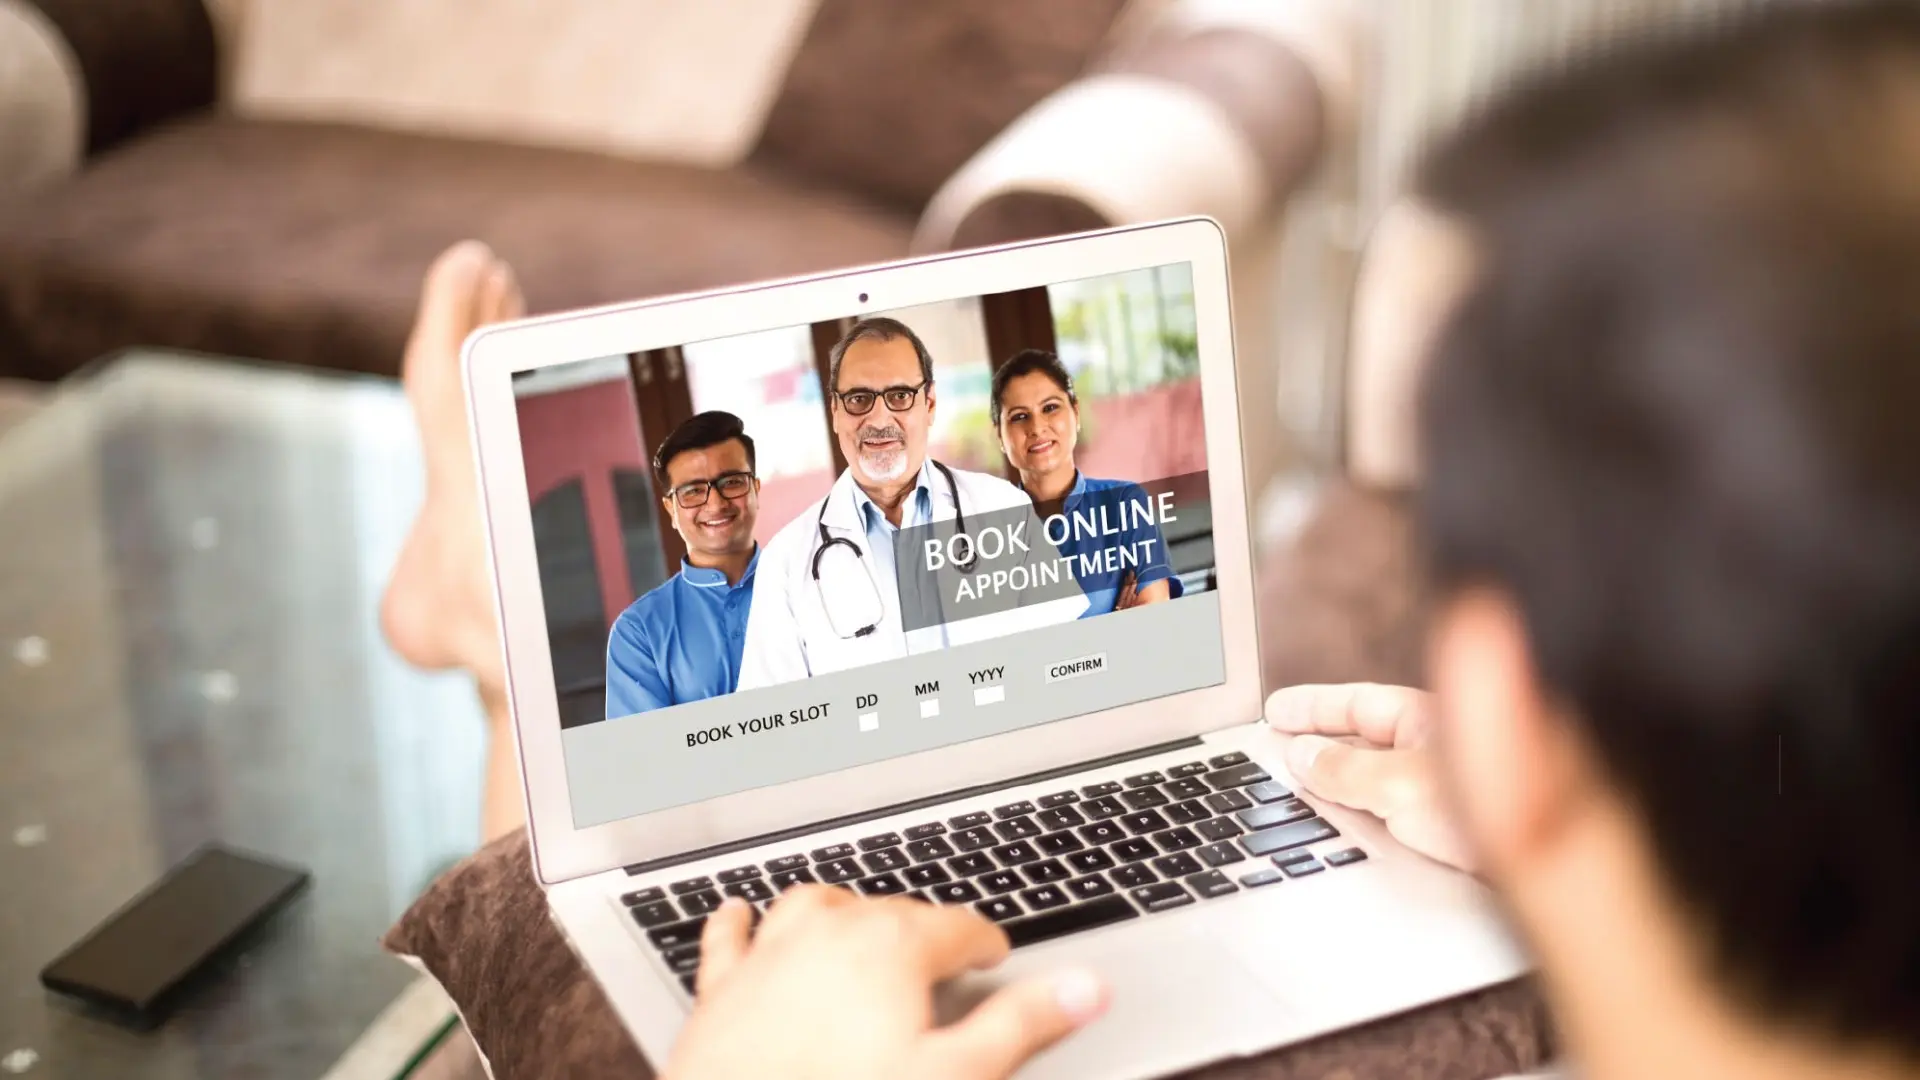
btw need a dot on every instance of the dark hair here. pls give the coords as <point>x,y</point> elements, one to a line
<point>697,432</point>
<point>1676,417</point>
<point>879,328</point>
<point>1028,362</point>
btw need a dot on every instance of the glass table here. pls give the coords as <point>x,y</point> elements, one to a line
<point>190,574</point>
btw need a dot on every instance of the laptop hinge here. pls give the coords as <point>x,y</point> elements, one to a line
<point>798,831</point>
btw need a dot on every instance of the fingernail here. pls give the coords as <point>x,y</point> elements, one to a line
<point>1080,994</point>
<point>1303,751</point>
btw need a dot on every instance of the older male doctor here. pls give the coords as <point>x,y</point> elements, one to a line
<point>827,597</point>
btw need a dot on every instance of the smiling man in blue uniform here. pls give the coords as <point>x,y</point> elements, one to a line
<point>682,641</point>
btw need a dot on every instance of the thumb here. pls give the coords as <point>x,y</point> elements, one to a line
<point>1013,1025</point>
<point>1376,781</point>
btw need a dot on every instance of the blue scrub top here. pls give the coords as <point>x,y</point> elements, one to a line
<point>680,642</point>
<point>1102,586</point>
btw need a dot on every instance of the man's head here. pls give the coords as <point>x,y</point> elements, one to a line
<point>882,380</point>
<point>705,470</point>
<point>1672,444</point>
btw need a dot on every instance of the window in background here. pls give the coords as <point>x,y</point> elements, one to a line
<point>962,434</point>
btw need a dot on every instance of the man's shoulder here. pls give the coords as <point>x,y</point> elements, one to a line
<point>649,604</point>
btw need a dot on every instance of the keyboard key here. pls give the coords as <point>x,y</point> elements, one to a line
<point>933,847</point>
<point>1226,802</point>
<point>738,873</point>
<point>1094,791</point>
<point>1188,788</point>
<point>972,865</point>
<point>674,935</point>
<point>1011,810</point>
<point>882,885</point>
<point>1180,839</point>
<point>691,885</point>
<point>1186,813</point>
<point>784,863</point>
<point>787,879</point>
<point>1238,776</point>
<point>1226,760</point>
<point>1093,885</point>
<point>1058,843</point>
<point>683,959</point>
<point>1211,884</point>
<point>657,913</point>
<point>1069,920</point>
<point>828,854</point>
<point>884,840</point>
<point>1346,857</point>
<point>687,981</point>
<point>1018,828</point>
<point>883,860</point>
<point>1265,817</point>
<point>1286,857</point>
<point>974,839</point>
<point>1298,834</point>
<point>1221,854</point>
<point>1015,853</point>
<point>930,874</point>
<point>1000,881</point>
<point>643,896</point>
<point>1133,875</point>
<point>699,903</point>
<point>921,832</point>
<point>753,890</point>
<point>960,892</point>
<point>1144,780</point>
<point>1217,829</point>
<point>1102,832</point>
<point>1045,871</point>
<point>1141,798</point>
<point>1177,866</point>
<point>1133,850</point>
<point>1089,862</point>
<point>1191,768</point>
<point>1058,798</point>
<point>1104,807</point>
<point>1270,791</point>
<point>971,821</point>
<point>1161,897</point>
<point>1302,868</point>
<point>998,908</point>
<point>1146,821</point>
<point>1060,817</point>
<point>837,871</point>
<point>1045,898</point>
<point>1266,875</point>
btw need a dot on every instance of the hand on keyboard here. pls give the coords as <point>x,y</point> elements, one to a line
<point>834,985</point>
<point>1393,776</point>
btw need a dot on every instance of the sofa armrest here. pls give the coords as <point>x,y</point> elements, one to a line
<point>42,101</point>
<point>1218,107</point>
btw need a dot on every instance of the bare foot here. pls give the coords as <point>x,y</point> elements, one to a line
<point>438,607</point>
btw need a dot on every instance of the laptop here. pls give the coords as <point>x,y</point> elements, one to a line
<point>1048,711</point>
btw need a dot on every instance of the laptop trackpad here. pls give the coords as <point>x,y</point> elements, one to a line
<point>1177,999</point>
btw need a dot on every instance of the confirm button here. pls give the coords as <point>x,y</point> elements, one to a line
<point>1063,670</point>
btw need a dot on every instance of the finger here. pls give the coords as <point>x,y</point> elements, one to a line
<point>1378,781</point>
<point>723,942</point>
<point>947,940</point>
<point>1013,1025</point>
<point>1381,714</point>
<point>798,904</point>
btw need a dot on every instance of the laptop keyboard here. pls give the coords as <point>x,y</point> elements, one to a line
<point>1059,864</point>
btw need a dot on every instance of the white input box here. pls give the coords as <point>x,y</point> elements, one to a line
<point>989,695</point>
<point>930,708</point>
<point>869,721</point>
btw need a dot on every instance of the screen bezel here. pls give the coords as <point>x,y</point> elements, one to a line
<point>495,354</point>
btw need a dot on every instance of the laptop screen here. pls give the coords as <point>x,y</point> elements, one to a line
<point>785,553</point>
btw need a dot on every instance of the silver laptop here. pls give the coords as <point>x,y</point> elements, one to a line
<point>1046,711</point>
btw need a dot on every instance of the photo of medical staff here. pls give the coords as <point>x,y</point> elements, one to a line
<point>857,435</point>
<point>682,641</point>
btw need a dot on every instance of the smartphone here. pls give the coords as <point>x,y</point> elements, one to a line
<point>135,965</point>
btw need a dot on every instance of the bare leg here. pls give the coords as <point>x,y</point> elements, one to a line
<point>438,610</point>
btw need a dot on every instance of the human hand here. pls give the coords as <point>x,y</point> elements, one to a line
<point>837,986</point>
<point>1129,594</point>
<point>1392,773</point>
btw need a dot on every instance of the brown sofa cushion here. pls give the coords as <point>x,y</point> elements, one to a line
<point>305,243</point>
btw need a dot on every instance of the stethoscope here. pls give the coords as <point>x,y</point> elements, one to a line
<point>828,541</point>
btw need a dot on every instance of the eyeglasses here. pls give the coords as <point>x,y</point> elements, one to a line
<point>693,494</point>
<point>859,401</point>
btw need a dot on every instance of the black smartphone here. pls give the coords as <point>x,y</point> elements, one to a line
<point>135,965</point>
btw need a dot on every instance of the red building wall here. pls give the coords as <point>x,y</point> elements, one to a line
<point>587,432</point>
